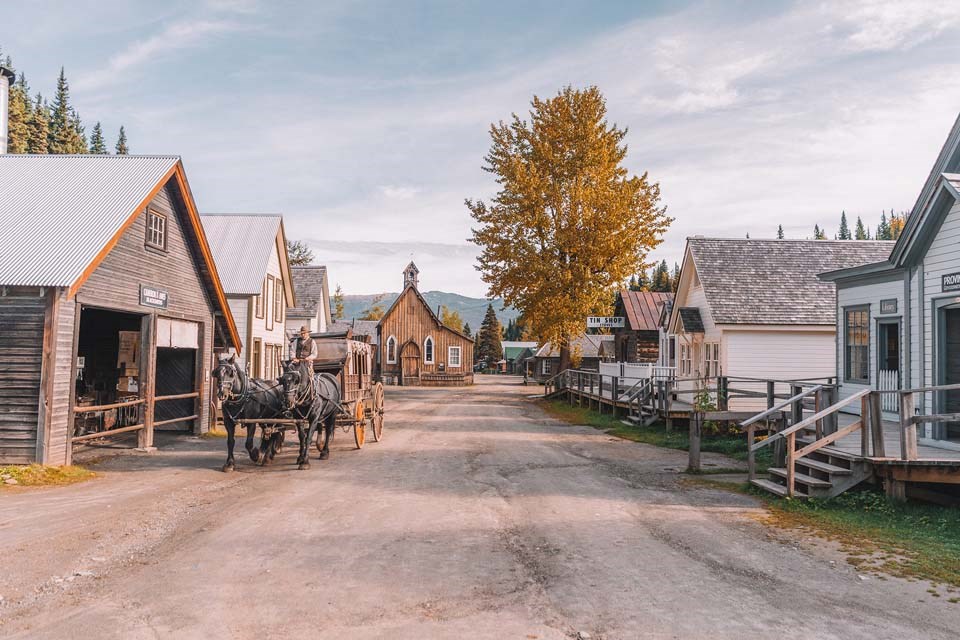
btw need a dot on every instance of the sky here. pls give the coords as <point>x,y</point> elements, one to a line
<point>365,123</point>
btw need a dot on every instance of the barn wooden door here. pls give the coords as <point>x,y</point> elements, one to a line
<point>410,363</point>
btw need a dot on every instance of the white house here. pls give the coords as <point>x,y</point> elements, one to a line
<point>313,299</point>
<point>898,317</point>
<point>250,252</point>
<point>756,308</point>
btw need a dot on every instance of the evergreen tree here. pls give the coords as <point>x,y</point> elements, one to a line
<point>860,233</point>
<point>675,278</point>
<point>883,229</point>
<point>466,330</point>
<point>65,132</point>
<point>338,304</point>
<point>98,145</point>
<point>18,121</point>
<point>299,252</point>
<point>844,231</point>
<point>896,224</point>
<point>633,286</point>
<point>818,233</point>
<point>122,148</point>
<point>489,349</point>
<point>780,232</point>
<point>661,278</point>
<point>39,129</point>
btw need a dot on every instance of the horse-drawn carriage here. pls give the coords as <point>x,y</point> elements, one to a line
<point>339,391</point>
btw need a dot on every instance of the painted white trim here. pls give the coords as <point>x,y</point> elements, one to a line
<point>395,348</point>
<point>433,350</point>
<point>450,351</point>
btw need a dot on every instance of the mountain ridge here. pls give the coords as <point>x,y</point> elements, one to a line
<point>470,309</point>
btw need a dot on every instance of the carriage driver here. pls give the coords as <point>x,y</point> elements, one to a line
<point>306,352</point>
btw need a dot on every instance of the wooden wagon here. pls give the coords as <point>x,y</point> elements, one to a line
<point>351,361</point>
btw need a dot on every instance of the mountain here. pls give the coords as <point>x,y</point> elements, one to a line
<point>470,309</point>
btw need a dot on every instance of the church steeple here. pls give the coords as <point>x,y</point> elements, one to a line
<point>411,276</point>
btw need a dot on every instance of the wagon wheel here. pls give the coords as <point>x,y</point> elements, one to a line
<point>376,413</point>
<point>359,422</point>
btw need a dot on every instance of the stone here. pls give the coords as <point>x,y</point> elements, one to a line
<point>11,481</point>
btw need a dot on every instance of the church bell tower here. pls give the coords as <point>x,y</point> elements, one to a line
<point>411,276</point>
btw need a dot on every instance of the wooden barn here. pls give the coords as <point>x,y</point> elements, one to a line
<point>110,303</point>
<point>251,255</point>
<point>639,339</point>
<point>416,348</point>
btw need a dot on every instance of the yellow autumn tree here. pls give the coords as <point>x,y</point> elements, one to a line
<point>451,319</point>
<point>569,224</point>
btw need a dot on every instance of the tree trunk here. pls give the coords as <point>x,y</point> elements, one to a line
<point>564,355</point>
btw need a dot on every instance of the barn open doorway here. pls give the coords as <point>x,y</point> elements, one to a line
<point>108,370</point>
<point>177,391</point>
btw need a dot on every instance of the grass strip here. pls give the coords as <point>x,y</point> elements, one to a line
<point>35,475</point>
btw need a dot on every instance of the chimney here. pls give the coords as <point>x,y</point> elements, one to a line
<point>6,79</point>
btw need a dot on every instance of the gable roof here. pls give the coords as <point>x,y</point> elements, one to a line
<point>366,328</point>
<point>426,304</point>
<point>242,245</point>
<point>514,348</point>
<point>642,308</point>
<point>691,320</point>
<point>106,193</point>
<point>311,288</point>
<point>749,281</point>
<point>588,345</point>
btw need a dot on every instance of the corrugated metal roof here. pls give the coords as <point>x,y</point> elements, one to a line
<point>58,212</point>
<point>241,245</point>
<point>643,308</point>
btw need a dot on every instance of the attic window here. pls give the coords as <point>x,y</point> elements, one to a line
<point>156,230</point>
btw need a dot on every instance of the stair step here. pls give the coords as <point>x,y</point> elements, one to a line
<point>774,488</point>
<point>802,478</point>
<point>810,463</point>
<point>829,451</point>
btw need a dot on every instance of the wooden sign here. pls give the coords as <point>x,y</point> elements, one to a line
<point>153,297</point>
<point>888,306</point>
<point>602,322</point>
<point>951,282</point>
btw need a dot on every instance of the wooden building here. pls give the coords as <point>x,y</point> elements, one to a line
<point>898,315</point>
<point>312,290</point>
<point>416,348</point>
<point>591,350</point>
<point>514,354</point>
<point>110,303</point>
<point>752,308</point>
<point>251,256</point>
<point>639,339</point>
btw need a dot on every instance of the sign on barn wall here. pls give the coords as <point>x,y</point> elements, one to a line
<point>153,297</point>
<point>603,322</point>
<point>951,282</point>
<point>888,306</point>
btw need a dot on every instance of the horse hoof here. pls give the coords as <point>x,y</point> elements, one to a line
<point>227,468</point>
<point>324,455</point>
<point>255,454</point>
<point>303,465</point>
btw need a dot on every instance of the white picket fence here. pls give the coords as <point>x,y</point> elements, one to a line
<point>630,373</point>
<point>889,381</point>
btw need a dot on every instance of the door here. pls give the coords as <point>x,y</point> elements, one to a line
<point>410,363</point>
<point>951,368</point>
<point>888,364</point>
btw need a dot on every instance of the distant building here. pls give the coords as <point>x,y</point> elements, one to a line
<point>251,256</point>
<point>313,300</point>
<point>416,348</point>
<point>590,350</point>
<point>514,353</point>
<point>639,339</point>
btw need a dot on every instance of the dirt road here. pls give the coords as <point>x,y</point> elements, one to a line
<point>476,517</point>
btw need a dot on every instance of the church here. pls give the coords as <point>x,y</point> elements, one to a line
<point>416,348</point>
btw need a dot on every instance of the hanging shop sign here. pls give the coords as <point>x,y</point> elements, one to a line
<point>153,297</point>
<point>603,322</point>
<point>888,306</point>
<point>951,282</point>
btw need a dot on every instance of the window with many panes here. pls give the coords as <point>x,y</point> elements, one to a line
<point>453,357</point>
<point>267,298</point>
<point>258,300</point>
<point>156,230</point>
<point>278,300</point>
<point>711,359</point>
<point>857,344</point>
<point>547,367</point>
<point>428,350</point>
<point>686,360</point>
<point>256,358</point>
<point>391,350</point>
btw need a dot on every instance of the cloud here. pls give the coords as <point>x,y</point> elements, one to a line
<point>877,25</point>
<point>399,192</point>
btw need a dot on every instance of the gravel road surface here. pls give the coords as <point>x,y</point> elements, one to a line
<point>476,517</point>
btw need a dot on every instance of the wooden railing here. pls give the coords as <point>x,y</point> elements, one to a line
<point>909,420</point>
<point>108,407</point>
<point>145,421</point>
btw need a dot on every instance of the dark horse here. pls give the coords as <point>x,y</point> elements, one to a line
<point>314,399</point>
<point>243,397</point>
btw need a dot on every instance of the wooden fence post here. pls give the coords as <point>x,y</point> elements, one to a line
<point>908,428</point>
<point>830,422</point>
<point>615,395</point>
<point>723,393</point>
<point>876,425</point>
<point>696,422</point>
<point>817,406</point>
<point>796,408</point>
<point>668,398</point>
<point>751,454</point>
<point>791,451</point>
<point>771,394</point>
<point>865,426</point>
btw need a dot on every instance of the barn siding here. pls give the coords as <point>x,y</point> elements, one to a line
<point>411,319</point>
<point>60,419</point>
<point>942,257</point>
<point>115,284</point>
<point>22,314</point>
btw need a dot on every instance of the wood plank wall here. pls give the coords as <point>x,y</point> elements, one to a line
<point>410,319</point>
<point>22,313</point>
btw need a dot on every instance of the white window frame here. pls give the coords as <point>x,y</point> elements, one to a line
<point>686,359</point>
<point>432,352</point>
<point>392,360</point>
<point>546,367</point>
<point>450,357</point>
<point>711,359</point>
<point>156,233</point>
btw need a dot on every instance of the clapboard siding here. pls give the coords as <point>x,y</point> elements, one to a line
<point>698,298</point>
<point>411,320</point>
<point>868,296</point>
<point>59,418</point>
<point>115,284</point>
<point>21,357</point>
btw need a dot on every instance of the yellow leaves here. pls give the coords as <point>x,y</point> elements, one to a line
<point>569,223</point>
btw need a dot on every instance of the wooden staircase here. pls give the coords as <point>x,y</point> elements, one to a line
<point>643,411</point>
<point>824,473</point>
